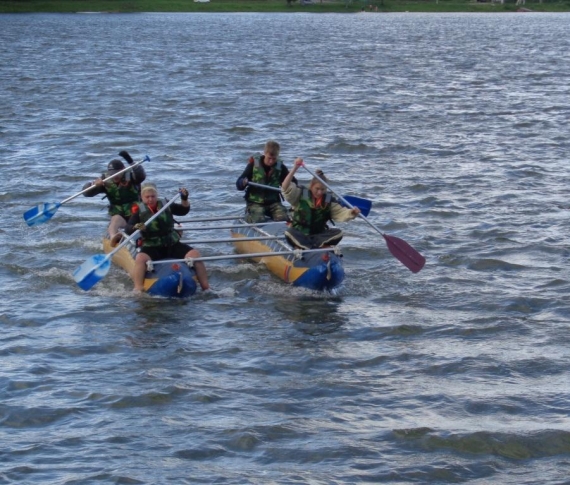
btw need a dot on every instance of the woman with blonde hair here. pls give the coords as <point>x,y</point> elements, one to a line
<point>313,208</point>
<point>160,240</point>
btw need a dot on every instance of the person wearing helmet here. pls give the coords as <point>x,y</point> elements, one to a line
<point>122,191</point>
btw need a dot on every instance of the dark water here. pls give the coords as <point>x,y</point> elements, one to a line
<point>456,126</point>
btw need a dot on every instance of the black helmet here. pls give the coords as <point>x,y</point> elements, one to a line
<point>114,167</point>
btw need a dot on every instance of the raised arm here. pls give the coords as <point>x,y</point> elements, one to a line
<point>184,207</point>
<point>284,173</point>
<point>139,175</point>
<point>291,175</point>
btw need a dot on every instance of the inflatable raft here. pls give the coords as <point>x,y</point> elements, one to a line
<point>174,280</point>
<point>320,271</point>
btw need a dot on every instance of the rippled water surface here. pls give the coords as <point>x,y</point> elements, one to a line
<point>455,126</point>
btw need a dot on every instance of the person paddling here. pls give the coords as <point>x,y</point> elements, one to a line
<point>121,191</point>
<point>267,169</point>
<point>313,207</point>
<point>160,240</point>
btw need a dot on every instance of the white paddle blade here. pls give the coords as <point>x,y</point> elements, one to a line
<point>41,213</point>
<point>92,271</point>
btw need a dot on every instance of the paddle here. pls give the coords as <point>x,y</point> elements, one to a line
<point>96,267</point>
<point>363,204</point>
<point>399,248</point>
<point>45,211</point>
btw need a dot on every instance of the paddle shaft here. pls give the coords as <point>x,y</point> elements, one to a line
<point>261,186</point>
<point>126,169</point>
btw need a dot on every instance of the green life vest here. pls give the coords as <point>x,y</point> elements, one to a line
<point>308,219</point>
<point>271,178</point>
<point>160,232</point>
<point>121,196</point>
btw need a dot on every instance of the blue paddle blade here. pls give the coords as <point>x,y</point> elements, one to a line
<point>92,271</point>
<point>41,213</point>
<point>363,204</point>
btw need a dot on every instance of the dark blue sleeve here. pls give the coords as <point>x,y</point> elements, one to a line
<point>95,190</point>
<point>139,175</point>
<point>247,174</point>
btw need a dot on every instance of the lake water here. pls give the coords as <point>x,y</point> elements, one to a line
<point>456,126</point>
